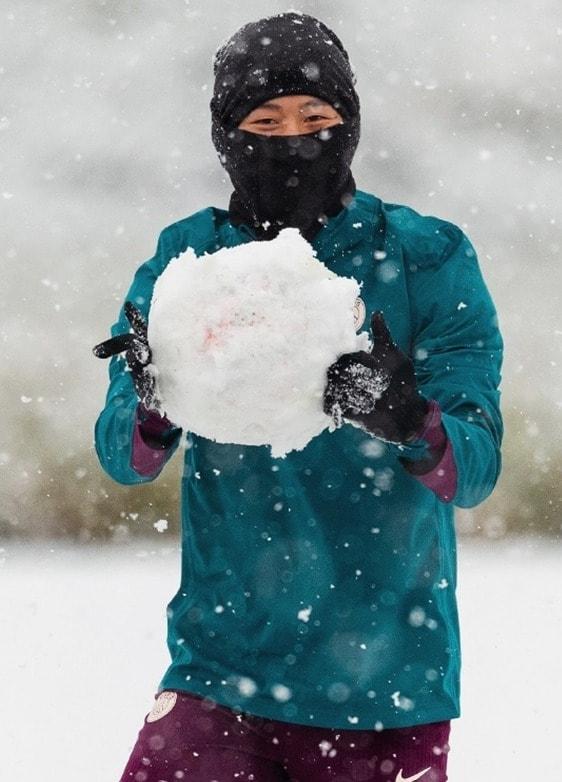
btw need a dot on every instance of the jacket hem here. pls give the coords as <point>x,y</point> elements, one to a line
<point>273,710</point>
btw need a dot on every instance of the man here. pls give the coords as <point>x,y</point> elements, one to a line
<point>320,639</point>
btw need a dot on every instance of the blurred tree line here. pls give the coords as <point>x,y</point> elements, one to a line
<point>105,114</point>
<point>67,495</point>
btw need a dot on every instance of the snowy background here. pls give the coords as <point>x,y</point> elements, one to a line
<point>105,135</point>
<point>105,139</point>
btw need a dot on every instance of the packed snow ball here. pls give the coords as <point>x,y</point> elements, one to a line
<point>242,339</point>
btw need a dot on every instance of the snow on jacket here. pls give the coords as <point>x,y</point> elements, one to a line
<point>319,589</point>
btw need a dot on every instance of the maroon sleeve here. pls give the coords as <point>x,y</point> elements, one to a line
<point>153,436</point>
<point>438,470</point>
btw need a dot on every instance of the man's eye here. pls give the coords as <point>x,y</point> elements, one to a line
<point>316,117</point>
<point>262,121</point>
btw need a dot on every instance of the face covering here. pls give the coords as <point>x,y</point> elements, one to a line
<point>290,181</point>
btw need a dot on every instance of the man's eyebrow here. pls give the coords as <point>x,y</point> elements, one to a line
<point>276,107</point>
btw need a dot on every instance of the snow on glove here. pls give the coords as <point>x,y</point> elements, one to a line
<point>137,354</point>
<point>377,390</point>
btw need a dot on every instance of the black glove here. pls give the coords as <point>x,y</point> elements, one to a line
<point>137,354</point>
<point>376,389</point>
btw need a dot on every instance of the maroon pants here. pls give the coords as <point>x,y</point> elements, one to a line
<point>188,737</point>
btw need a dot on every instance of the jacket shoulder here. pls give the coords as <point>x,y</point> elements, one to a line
<point>198,230</point>
<point>426,240</point>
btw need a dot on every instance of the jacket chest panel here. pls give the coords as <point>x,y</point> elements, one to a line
<point>383,288</point>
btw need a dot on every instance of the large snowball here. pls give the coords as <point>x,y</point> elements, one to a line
<point>241,340</point>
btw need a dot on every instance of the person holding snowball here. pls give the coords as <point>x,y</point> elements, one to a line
<point>315,632</point>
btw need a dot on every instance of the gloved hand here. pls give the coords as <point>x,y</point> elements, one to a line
<point>137,354</point>
<point>377,389</point>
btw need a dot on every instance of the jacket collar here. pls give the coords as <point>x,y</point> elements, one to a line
<point>356,223</point>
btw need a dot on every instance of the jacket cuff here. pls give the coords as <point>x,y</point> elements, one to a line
<point>437,470</point>
<point>154,428</point>
<point>431,429</point>
<point>442,479</point>
<point>153,435</point>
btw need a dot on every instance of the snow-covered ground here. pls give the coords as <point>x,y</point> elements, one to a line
<point>84,649</point>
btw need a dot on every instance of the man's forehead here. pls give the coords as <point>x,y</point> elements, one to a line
<point>277,105</point>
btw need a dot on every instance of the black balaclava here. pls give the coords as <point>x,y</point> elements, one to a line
<point>282,181</point>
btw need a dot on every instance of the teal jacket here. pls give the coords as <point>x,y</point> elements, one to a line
<point>319,588</point>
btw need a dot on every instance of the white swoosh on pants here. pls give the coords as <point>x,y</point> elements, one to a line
<point>400,778</point>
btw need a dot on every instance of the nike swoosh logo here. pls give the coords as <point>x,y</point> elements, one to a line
<point>400,778</point>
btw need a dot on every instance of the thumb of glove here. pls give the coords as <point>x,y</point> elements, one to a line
<point>381,334</point>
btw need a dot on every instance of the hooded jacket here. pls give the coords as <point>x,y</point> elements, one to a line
<point>331,572</point>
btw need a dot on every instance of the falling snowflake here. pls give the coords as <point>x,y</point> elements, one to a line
<point>281,693</point>
<point>401,702</point>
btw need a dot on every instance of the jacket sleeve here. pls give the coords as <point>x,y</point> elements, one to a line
<point>457,350</point>
<point>118,423</point>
